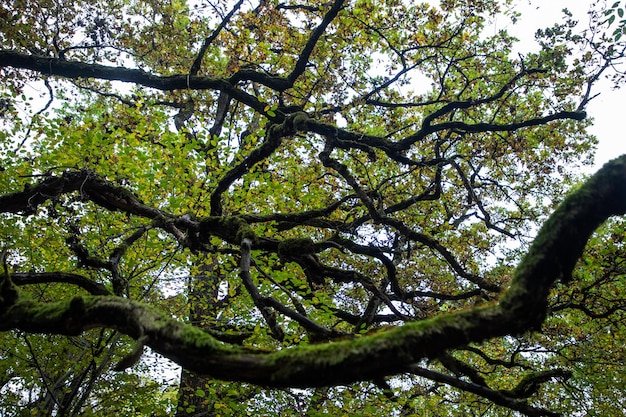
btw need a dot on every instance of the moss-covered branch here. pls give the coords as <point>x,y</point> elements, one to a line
<point>523,307</point>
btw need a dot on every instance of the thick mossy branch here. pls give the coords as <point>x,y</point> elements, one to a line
<point>295,248</point>
<point>561,241</point>
<point>230,228</point>
<point>137,320</point>
<point>523,307</point>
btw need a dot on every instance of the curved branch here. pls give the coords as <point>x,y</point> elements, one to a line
<point>75,69</point>
<point>553,255</point>
<point>488,127</point>
<point>101,192</point>
<point>496,397</point>
<point>271,143</point>
<point>455,105</point>
<point>259,301</point>
<point>195,67</point>
<point>30,278</point>
<point>530,384</point>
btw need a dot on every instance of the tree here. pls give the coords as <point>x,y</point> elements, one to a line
<point>335,197</point>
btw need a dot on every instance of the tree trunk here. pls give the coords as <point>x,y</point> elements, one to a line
<point>194,393</point>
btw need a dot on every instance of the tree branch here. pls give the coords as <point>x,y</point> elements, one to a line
<point>496,397</point>
<point>195,67</point>
<point>74,69</point>
<point>303,59</point>
<point>522,308</point>
<point>31,278</point>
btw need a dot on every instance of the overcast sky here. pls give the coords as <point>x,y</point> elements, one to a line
<point>607,110</point>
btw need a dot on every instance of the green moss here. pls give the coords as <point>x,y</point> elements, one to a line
<point>398,342</point>
<point>245,232</point>
<point>300,120</point>
<point>77,306</point>
<point>49,311</point>
<point>292,248</point>
<point>230,228</point>
<point>9,294</point>
<point>192,336</point>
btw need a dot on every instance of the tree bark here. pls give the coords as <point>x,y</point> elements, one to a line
<point>203,290</point>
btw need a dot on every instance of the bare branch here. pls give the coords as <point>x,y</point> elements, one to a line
<point>303,59</point>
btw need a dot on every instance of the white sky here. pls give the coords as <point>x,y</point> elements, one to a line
<point>607,110</point>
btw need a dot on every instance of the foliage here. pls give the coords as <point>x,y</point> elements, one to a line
<point>613,13</point>
<point>332,197</point>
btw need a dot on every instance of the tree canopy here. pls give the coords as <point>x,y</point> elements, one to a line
<point>312,208</point>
